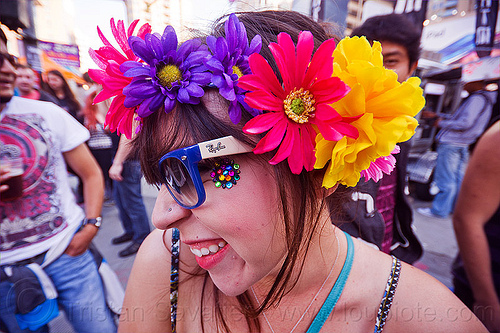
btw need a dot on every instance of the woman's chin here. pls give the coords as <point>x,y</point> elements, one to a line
<point>232,290</point>
<point>228,285</point>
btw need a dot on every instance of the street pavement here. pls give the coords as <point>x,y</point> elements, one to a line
<point>439,243</point>
<point>436,235</point>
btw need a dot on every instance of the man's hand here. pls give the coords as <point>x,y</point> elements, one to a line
<point>81,240</point>
<point>431,115</point>
<point>115,172</point>
<point>436,123</point>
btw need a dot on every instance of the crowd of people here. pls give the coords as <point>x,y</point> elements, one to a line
<point>280,152</point>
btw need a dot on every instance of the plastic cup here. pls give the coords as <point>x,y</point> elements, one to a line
<point>15,180</point>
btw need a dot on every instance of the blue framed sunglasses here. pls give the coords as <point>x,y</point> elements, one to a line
<point>179,168</point>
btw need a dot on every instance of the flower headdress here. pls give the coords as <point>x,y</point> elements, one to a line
<point>229,63</point>
<point>339,105</point>
<point>108,58</point>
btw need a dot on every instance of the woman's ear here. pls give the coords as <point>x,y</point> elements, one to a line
<point>318,180</point>
<point>329,191</point>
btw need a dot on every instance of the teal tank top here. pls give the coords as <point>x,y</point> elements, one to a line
<point>336,291</point>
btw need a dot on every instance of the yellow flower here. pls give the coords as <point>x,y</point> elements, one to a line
<point>386,110</point>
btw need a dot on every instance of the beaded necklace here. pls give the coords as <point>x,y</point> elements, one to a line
<point>314,298</point>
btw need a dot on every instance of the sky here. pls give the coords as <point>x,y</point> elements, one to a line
<point>92,13</point>
<point>88,15</point>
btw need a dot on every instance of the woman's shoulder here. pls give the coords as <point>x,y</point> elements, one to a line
<point>154,258</point>
<point>148,287</point>
<point>420,302</point>
<point>158,243</point>
<point>423,302</point>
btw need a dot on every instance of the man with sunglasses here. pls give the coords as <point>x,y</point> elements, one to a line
<point>8,75</point>
<point>45,235</point>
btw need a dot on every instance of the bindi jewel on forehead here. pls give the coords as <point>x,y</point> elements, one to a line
<point>225,174</point>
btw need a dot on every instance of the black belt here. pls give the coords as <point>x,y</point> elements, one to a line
<point>38,259</point>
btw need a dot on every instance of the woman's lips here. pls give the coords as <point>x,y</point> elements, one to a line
<point>208,257</point>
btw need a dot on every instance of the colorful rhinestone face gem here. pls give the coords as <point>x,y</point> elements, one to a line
<point>225,174</point>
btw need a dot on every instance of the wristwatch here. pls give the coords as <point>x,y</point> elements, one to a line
<point>97,221</point>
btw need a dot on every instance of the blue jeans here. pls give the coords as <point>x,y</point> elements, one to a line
<point>128,199</point>
<point>448,175</point>
<point>80,292</point>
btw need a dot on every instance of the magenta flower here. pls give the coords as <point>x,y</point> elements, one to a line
<point>229,62</point>
<point>109,59</point>
<point>298,107</point>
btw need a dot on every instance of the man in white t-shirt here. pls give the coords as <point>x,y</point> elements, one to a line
<point>45,228</point>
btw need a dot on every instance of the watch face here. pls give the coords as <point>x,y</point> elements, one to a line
<point>97,221</point>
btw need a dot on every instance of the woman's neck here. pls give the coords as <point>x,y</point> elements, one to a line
<point>322,266</point>
<point>326,249</point>
<point>60,94</point>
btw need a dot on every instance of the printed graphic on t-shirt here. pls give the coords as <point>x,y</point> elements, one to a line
<point>36,217</point>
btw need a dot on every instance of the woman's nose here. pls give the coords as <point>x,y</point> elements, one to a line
<point>167,211</point>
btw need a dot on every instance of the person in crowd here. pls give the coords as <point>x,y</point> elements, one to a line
<point>248,137</point>
<point>59,88</point>
<point>476,221</point>
<point>456,133</point>
<point>26,85</point>
<point>380,212</point>
<point>102,141</point>
<point>45,234</point>
<point>126,175</point>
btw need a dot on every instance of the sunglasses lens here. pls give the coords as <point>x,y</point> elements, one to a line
<point>7,57</point>
<point>179,181</point>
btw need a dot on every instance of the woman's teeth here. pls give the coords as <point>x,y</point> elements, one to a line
<point>214,248</point>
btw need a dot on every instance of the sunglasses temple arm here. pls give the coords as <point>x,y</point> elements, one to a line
<point>222,147</point>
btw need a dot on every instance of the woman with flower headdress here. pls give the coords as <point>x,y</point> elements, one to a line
<point>248,133</point>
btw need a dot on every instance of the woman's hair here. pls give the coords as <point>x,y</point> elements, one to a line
<point>188,124</point>
<point>68,93</point>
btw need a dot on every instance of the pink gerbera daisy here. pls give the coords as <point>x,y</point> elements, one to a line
<point>109,59</point>
<point>300,107</point>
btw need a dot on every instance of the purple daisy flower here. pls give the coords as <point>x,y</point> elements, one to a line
<point>170,74</point>
<point>229,61</point>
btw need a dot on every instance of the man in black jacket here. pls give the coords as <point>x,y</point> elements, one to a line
<point>379,212</point>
